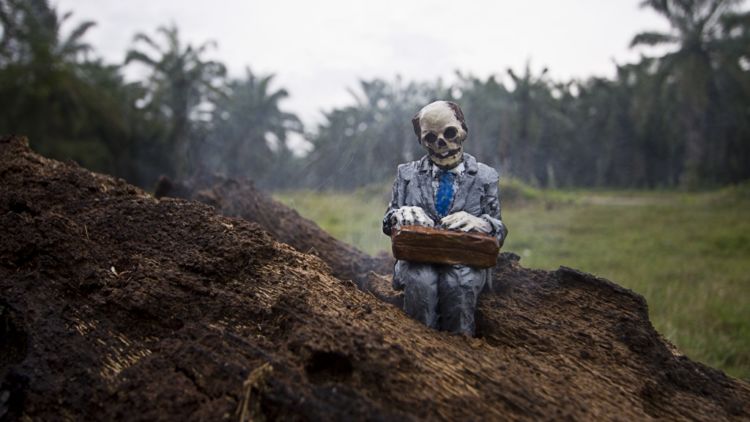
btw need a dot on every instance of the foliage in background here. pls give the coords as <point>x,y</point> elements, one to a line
<point>677,120</point>
<point>73,106</point>
<point>682,119</point>
<point>181,83</point>
<point>68,105</point>
<point>362,143</point>
<point>249,132</point>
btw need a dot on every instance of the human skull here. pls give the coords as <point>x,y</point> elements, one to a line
<point>441,130</point>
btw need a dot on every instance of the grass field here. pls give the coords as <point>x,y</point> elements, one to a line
<point>688,254</point>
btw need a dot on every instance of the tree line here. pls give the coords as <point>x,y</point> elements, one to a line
<point>681,119</point>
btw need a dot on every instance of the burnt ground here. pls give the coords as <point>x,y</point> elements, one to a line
<point>235,198</point>
<point>115,305</point>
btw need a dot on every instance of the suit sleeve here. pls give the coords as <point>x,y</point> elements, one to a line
<point>397,201</point>
<point>491,208</point>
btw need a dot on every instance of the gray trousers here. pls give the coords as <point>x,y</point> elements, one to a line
<point>443,297</point>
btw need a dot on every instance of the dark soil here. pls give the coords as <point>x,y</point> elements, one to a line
<point>115,305</point>
<point>235,198</point>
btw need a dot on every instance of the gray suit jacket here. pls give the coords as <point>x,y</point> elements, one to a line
<point>477,193</point>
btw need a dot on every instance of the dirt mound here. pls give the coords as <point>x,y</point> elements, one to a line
<point>236,198</point>
<point>116,305</point>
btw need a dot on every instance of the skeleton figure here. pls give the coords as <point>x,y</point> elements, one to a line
<point>450,189</point>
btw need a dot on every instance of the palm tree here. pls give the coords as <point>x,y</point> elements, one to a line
<point>696,34</point>
<point>363,142</point>
<point>41,76</point>
<point>487,107</point>
<point>536,114</point>
<point>734,82</point>
<point>32,33</point>
<point>182,83</point>
<point>250,128</point>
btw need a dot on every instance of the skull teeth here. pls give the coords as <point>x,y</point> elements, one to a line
<point>447,153</point>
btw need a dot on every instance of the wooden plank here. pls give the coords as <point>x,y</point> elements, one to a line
<point>439,246</point>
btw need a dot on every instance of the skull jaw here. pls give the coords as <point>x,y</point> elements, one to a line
<point>447,159</point>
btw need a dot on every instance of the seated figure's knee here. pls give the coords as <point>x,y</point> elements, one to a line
<point>421,276</point>
<point>462,277</point>
<point>459,288</point>
<point>420,283</point>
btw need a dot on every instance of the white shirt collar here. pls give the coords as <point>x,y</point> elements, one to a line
<point>458,170</point>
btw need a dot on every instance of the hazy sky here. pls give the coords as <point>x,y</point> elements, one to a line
<point>319,48</point>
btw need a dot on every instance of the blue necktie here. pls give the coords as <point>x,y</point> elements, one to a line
<point>444,195</point>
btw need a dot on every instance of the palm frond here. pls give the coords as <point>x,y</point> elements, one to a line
<point>65,16</point>
<point>80,31</point>
<point>734,20</point>
<point>139,56</point>
<point>171,34</point>
<point>141,37</point>
<point>211,44</point>
<point>72,44</point>
<point>652,39</point>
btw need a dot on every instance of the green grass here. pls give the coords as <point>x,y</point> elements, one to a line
<point>687,254</point>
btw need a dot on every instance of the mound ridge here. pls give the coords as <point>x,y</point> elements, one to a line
<point>115,305</point>
<point>236,198</point>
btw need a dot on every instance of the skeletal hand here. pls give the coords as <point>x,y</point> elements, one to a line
<point>465,222</point>
<point>412,216</point>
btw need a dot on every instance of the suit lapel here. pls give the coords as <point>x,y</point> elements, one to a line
<point>465,182</point>
<point>424,182</point>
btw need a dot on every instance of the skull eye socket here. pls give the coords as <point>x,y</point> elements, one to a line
<point>430,138</point>
<point>450,133</point>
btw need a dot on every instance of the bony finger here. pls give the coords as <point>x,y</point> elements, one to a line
<point>471,220</point>
<point>468,227</point>
<point>459,219</point>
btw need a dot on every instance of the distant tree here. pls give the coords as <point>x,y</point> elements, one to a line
<point>539,123</point>
<point>126,129</point>
<point>696,33</point>
<point>32,34</point>
<point>362,143</point>
<point>250,130</point>
<point>489,116</point>
<point>44,85</point>
<point>183,85</point>
<point>733,79</point>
